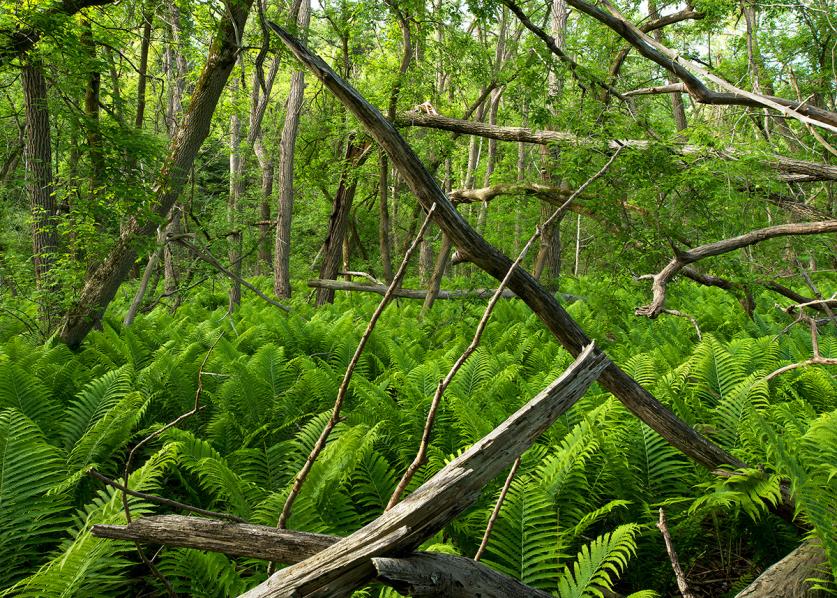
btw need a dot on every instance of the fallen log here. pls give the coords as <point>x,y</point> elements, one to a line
<point>425,574</point>
<point>342,285</point>
<point>417,574</point>
<point>348,564</point>
<point>789,578</point>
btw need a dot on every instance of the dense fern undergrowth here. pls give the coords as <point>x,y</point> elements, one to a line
<point>579,516</point>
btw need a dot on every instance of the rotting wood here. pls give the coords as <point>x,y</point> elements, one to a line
<point>427,574</point>
<point>453,575</point>
<point>347,564</point>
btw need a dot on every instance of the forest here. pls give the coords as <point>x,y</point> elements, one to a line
<point>418,297</point>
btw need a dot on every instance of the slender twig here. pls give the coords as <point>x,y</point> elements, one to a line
<point>672,555</point>
<point>816,358</point>
<point>166,502</point>
<point>496,512</point>
<point>213,261</point>
<point>421,455</point>
<point>299,480</point>
<point>171,424</point>
<point>692,319</point>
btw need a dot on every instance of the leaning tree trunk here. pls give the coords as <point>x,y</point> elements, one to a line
<point>284,212</point>
<point>102,283</point>
<point>356,155</point>
<point>38,158</point>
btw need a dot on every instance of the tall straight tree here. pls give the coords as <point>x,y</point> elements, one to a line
<point>234,236</point>
<point>104,280</point>
<point>38,158</point>
<point>284,212</point>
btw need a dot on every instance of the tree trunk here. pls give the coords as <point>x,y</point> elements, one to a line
<point>384,240</point>
<point>38,158</point>
<point>142,81</point>
<point>102,283</point>
<point>284,212</point>
<point>236,187</point>
<point>677,109</point>
<point>91,113</point>
<point>338,223</point>
<point>150,269</point>
<point>548,260</point>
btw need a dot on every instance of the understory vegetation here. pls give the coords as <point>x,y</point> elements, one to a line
<point>579,516</point>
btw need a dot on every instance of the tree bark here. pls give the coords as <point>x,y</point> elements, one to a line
<point>789,577</point>
<point>233,208</point>
<point>102,283</point>
<point>142,76</point>
<point>287,145</point>
<point>91,113</point>
<point>38,160</point>
<point>356,155</point>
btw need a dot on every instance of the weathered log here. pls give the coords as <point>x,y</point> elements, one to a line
<point>380,289</point>
<point>347,564</point>
<point>418,574</point>
<point>425,574</point>
<point>789,577</point>
<point>234,539</point>
<point>812,171</point>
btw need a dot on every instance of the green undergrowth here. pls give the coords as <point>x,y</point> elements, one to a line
<point>579,516</point>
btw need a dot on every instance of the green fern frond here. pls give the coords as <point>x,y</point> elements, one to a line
<point>29,519</point>
<point>199,573</point>
<point>599,563</point>
<point>22,391</point>
<point>96,399</point>
<point>525,542</point>
<point>84,565</point>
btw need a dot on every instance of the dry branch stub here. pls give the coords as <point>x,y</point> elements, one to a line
<point>347,564</point>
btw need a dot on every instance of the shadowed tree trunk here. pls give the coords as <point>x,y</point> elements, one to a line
<point>356,155</point>
<point>91,113</point>
<point>38,158</point>
<point>548,260</point>
<point>102,283</point>
<point>284,211</point>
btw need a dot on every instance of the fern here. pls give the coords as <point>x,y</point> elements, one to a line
<point>29,518</point>
<point>599,563</point>
<point>84,565</point>
<point>525,541</point>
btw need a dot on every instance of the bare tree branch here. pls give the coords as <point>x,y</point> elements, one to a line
<point>685,258</point>
<point>690,73</point>
<point>812,171</point>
